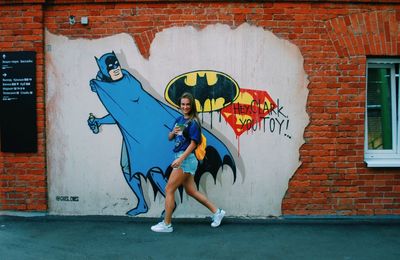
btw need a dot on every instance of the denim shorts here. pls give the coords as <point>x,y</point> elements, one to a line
<point>189,165</point>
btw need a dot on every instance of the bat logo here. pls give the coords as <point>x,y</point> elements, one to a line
<point>213,90</point>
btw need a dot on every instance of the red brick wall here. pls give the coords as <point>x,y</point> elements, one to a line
<point>23,175</point>
<point>334,39</point>
<point>333,178</point>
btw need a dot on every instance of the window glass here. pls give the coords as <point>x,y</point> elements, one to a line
<point>379,109</point>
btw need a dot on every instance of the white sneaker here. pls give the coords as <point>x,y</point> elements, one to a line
<point>162,227</point>
<point>217,218</point>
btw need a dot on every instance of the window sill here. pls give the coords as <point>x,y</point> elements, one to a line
<point>382,162</point>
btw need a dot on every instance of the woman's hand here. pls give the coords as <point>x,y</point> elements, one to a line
<point>177,162</point>
<point>172,134</point>
<point>177,130</point>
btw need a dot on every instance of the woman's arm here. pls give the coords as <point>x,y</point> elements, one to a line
<point>171,135</point>
<point>189,149</point>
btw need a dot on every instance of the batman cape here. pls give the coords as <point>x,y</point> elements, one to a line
<point>143,121</point>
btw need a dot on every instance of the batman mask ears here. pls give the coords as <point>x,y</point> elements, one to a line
<point>102,68</point>
<point>97,62</point>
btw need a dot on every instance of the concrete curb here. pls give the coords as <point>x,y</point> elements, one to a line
<point>287,219</point>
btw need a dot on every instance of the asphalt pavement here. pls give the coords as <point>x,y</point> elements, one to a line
<point>89,237</point>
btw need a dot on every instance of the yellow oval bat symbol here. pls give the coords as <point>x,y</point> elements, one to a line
<point>213,90</point>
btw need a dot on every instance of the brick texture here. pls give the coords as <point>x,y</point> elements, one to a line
<point>23,176</point>
<point>334,38</point>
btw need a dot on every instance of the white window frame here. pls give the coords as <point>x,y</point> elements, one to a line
<point>385,158</point>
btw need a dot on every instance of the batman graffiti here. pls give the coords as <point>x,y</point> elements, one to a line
<point>144,123</point>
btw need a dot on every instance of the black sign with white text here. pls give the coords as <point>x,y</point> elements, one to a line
<point>18,101</point>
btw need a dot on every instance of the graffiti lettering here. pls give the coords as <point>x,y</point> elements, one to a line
<point>253,119</point>
<point>275,124</point>
<point>266,124</point>
<point>67,198</point>
<point>256,106</point>
<point>278,110</point>
<point>239,109</point>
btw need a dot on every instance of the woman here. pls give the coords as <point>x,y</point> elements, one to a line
<point>187,134</point>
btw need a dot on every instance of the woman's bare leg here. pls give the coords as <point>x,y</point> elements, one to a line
<point>176,179</point>
<point>192,191</point>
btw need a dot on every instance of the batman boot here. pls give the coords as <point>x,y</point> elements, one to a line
<point>136,187</point>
